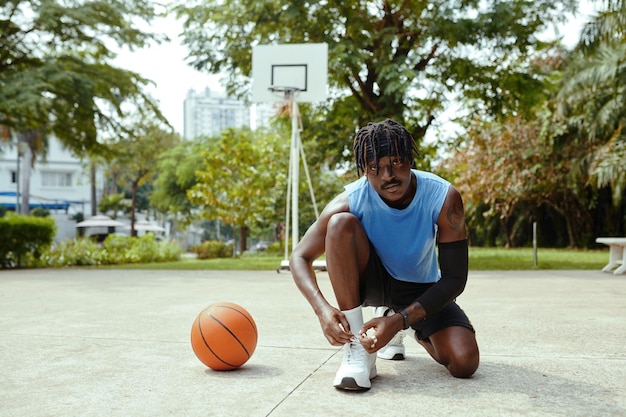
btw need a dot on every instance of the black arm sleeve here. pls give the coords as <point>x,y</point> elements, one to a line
<point>453,262</point>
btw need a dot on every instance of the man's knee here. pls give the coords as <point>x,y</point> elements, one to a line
<point>456,348</point>
<point>463,362</point>
<point>346,241</point>
<point>342,226</point>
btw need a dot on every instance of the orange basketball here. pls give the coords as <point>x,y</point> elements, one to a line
<point>224,336</point>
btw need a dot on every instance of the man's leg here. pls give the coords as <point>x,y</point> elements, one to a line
<point>347,254</point>
<point>455,348</point>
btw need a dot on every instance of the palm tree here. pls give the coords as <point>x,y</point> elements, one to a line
<point>31,143</point>
<point>593,95</point>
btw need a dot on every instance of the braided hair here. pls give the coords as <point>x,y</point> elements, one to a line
<point>386,138</point>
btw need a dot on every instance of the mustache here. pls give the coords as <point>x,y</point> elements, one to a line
<point>390,183</point>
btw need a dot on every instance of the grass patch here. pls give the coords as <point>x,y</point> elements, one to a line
<point>481,259</point>
<point>247,263</point>
<point>485,259</point>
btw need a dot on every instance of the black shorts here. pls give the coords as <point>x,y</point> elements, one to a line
<point>379,288</point>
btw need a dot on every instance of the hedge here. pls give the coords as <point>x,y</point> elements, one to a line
<point>24,238</point>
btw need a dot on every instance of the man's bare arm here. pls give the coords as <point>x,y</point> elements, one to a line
<point>311,247</point>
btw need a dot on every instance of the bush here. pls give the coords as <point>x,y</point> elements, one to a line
<point>24,239</point>
<point>114,250</point>
<point>143,249</point>
<point>78,252</point>
<point>212,249</point>
<point>278,247</point>
<point>40,212</point>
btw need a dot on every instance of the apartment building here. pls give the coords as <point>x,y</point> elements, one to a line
<point>59,182</point>
<point>207,113</point>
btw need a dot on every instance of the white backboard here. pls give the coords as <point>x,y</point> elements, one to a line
<point>299,67</point>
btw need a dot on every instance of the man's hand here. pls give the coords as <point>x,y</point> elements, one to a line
<point>335,326</point>
<point>377,332</point>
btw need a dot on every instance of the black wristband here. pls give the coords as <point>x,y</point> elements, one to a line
<point>405,317</point>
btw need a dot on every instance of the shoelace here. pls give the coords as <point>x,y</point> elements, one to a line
<point>355,353</point>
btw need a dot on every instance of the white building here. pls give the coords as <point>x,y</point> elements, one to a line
<point>262,114</point>
<point>59,183</point>
<point>207,113</point>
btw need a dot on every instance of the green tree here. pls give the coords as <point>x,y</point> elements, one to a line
<point>55,78</point>
<point>593,96</point>
<point>114,203</point>
<point>242,179</point>
<point>526,168</point>
<point>54,73</point>
<point>176,174</point>
<point>519,171</point>
<point>136,159</point>
<point>387,58</point>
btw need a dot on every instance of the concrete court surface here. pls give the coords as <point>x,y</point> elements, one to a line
<point>89,342</point>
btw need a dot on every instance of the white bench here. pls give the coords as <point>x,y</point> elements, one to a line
<point>617,253</point>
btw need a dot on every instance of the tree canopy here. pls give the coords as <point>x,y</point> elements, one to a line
<point>241,180</point>
<point>560,163</point>
<point>598,71</point>
<point>176,170</point>
<point>136,158</point>
<point>399,59</point>
<point>54,72</point>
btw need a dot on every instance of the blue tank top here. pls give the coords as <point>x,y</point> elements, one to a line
<point>405,240</point>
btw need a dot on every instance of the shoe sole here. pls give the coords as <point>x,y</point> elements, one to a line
<point>391,353</point>
<point>349,384</point>
<point>395,357</point>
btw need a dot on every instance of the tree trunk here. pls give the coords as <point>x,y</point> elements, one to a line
<point>580,222</point>
<point>577,219</point>
<point>25,180</point>
<point>92,178</point>
<point>243,239</point>
<point>133,204</point>
<point>504,222</point>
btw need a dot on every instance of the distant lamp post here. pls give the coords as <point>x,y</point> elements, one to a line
<point>21,150</point>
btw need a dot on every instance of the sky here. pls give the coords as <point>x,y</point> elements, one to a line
<point>173,77</point>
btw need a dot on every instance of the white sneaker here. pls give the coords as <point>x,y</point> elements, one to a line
<point>357,368</point>
<point>394,350</point>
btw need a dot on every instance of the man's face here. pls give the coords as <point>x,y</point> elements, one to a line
<point>391,178</point>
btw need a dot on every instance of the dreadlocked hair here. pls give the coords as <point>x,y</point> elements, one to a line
<point>386,138</point>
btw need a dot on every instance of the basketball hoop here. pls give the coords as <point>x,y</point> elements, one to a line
<point>295,67</point>
<point>282,73</point>
<point>287,93</point>
<point>282,89</point>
